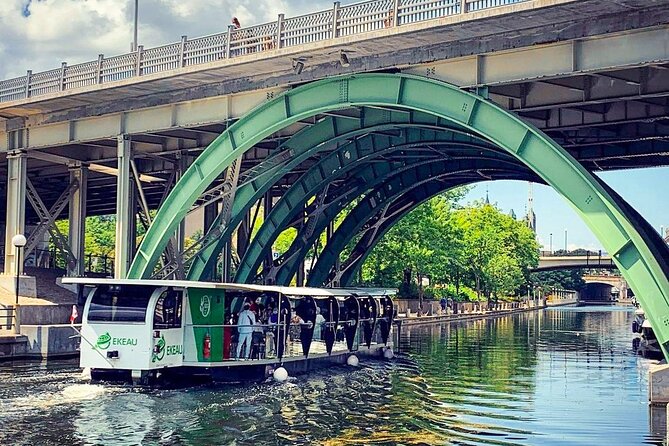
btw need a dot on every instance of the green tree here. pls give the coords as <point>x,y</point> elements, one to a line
<point>569,279</point>
<point>497,249</point>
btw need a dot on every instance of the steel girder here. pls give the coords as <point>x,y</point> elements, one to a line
<point>418,173</point>
<point>371,234</point>
<point>375,201</point>
<point>330,167</point>
<point>633,253</point>
<point>324,135</point>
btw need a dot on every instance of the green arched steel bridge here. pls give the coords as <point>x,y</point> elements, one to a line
<point>409,139</point>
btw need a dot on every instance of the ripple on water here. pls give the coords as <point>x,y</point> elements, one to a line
<point>504,381</point>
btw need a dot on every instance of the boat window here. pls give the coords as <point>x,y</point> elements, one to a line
<point>168,310</point>
<point>116,303</point>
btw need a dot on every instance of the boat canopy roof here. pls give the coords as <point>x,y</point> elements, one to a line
<point>287,290</point>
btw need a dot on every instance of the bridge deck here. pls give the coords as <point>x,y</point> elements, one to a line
<point>591,73</point>
<point>424,34</point>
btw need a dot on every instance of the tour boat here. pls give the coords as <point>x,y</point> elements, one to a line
<point>148,330</point>
<point>647,345</point>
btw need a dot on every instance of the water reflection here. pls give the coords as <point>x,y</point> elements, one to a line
<point>562,376</point>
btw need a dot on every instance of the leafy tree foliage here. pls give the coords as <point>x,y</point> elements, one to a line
<point>571,279</point>
<point>460,249</point>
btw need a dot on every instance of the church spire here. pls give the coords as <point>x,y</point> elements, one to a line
<point>531,218</point>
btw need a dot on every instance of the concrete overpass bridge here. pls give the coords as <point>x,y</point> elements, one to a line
<point>604,287</point>
<point>383,103</point>
<point>548,261</point>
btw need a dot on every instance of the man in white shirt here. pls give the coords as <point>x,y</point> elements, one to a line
<point>245,323</point>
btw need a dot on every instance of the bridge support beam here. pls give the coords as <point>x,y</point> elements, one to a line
<point>16,208</point>
<point>77,218</point>
<point>268,204</point>
<point>125,209</point>
<point>210,213</point>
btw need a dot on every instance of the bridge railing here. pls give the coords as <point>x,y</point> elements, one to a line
<point>574,253</point>
<point>340,21</point>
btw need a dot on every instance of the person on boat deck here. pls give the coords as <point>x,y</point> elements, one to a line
<point>245,323</point>
<point>319,324</point>
<point>253,306</point>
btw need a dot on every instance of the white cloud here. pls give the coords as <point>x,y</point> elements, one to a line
<point>78,30</point>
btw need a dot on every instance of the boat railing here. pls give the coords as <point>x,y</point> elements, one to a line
<point>265,347</point>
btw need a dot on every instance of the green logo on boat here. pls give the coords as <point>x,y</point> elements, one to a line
<point>205,305</point>
<point>159,350</point>
<point>103,342</point>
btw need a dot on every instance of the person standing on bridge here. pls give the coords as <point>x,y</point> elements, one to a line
<point>235,23</point>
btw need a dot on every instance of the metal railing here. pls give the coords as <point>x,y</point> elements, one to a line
<point>340,21</point>
<point>56,259</point>
<point>573,253</point>
<point>8,318</point>
<point>264,344</point>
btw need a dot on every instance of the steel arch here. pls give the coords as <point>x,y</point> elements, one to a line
<point>323,172</point>
<point>371,236</point>
<point>374,202</point>
<point>305,144</point>
<point>394,186</point>
<point>616,231</point>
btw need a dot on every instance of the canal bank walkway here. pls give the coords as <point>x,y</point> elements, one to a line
<point>472,310</point>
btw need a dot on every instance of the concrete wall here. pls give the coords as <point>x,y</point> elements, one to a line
<point>46,314</point>
<point>12,346</point>
<point>51,340</point>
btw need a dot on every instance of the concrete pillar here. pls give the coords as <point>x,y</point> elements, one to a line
<point>16,208</point>
<point>299,279</point>
<point>244,234</point>
<point>227,263</point>
<point>181,230</point>
<point>77,217</point>
<point>210,213</point>
<point>267,208</point>
<point>125,215</point>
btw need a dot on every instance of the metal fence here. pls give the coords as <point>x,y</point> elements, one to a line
<point>7,315</point>
<point>56,259</point>
<point>340,21</point>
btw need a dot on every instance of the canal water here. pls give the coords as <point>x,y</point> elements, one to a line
<point>565,376</point>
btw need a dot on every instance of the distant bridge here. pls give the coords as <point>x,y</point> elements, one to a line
<point>548,262</point>
<point>605,287</point>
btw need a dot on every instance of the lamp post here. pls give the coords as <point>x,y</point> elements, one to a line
<point>18,241</point>
<point>551,243</point>
<point>565,240</point>
<point>134,40</point>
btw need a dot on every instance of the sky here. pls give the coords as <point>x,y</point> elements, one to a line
<point>38,35</point>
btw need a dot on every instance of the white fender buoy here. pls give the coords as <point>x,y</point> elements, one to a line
<point>352,361</point>
<point>280,375</point>
<point>86,373</point>
<point>388,353</point>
